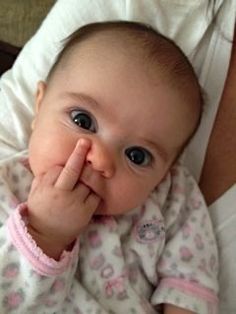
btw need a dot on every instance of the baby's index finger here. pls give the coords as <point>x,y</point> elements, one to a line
<point>73,167</point>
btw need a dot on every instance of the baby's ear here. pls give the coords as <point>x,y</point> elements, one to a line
<point>41,88</point>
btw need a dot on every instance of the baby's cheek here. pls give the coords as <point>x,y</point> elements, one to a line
<point>128,196</point>
<point>41,162</point>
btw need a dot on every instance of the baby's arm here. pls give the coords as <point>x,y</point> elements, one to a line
<point>188,267</point>
<point>171,309</point>
<point>58,207</point>
<point>25,290</point>
<point>23,287</point>
<point>31,280</point>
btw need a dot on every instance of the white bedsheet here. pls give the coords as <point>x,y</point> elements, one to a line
<point>185,21</point>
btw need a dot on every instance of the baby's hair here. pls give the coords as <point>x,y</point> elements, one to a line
<point>153,48</point>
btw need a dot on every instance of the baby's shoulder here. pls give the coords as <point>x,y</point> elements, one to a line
<point>178,195</point>
<point>177,182</point>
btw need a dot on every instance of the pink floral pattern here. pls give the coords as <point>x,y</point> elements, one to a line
<point>152,255</point>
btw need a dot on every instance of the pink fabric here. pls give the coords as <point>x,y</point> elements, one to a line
<point>190,288</point>
<point>23,241</point>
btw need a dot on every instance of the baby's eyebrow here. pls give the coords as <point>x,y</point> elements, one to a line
<point>84,98</point>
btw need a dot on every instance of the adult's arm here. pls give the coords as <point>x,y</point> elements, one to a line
<point>219,171</point>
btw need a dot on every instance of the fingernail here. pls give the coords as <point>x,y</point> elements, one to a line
<point>83,142</point>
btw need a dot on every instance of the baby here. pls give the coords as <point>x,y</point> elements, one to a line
<point>112,223</point>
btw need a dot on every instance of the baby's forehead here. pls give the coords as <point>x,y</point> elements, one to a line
<point>107,43</point>
<point>140,44</point>
<point>158,55</point>
<point>130,40</point>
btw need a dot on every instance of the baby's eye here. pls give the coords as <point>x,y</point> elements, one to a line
<point>139,156</point>
<point>83,119</point>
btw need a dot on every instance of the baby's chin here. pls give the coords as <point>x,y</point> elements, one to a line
<point>104,210</point>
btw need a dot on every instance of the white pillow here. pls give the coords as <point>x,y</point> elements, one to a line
<point>187,22</point>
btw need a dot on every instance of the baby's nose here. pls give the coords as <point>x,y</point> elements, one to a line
<point>101,160</point>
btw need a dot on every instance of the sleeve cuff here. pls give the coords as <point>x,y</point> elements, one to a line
<point>186,294</point>
<point>26,245</point>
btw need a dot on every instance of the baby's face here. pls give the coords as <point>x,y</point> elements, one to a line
<point>136,125</point>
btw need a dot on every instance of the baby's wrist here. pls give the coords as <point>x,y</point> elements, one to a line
<point>50,247</point>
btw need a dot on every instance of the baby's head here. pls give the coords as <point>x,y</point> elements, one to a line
<point>133,94</point>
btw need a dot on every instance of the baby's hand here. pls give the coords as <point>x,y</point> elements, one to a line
<point>60,207</point>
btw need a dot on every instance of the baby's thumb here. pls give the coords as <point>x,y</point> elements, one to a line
<point>35,183</point>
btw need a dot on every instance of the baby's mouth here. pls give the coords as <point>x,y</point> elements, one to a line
<point>92,189</point>
<point>100,210</point>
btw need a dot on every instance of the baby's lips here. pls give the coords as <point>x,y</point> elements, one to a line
<point>91,187</point>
